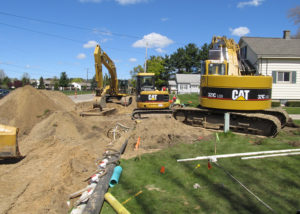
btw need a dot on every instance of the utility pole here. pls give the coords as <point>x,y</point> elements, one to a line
<point>87,77</point>
<point>145,69</point>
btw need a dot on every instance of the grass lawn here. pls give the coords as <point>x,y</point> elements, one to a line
<point>68,93</point>
<point>275,180</point>
<point>188,99</point>
<point>292,110</point>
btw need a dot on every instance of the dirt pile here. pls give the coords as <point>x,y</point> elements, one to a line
<point>26,106</point>
<point>60,147</point>
<point>161,132</point>
<point>60,154</point>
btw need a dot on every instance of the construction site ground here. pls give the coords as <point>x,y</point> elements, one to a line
<point>60,148</point>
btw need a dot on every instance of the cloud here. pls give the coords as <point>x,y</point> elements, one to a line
<point>90,44</point>
<point>164,19</point>
<point>125,2</point>
<point>81,56</point>
<point>240,31</point>
<point>132,60</point>
<point>153,40</point>
<point>160,50</point>
<point>249,3</point>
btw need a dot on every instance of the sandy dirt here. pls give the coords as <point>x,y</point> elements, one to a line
<point>61,148</point>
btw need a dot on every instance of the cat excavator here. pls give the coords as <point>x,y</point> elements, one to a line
<point>109,93</point>
<point>232,85</point>
<point>9,142</point>
<point>148,99</point>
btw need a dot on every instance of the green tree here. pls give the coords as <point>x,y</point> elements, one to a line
<point>78,80</point>
<point>25,79</point>
<point>93,83</point>
<point>6,82</point>
<point>63,81</point>
<point>156,65</point>
<point>42,84</point>
<point>187,59</point>
<point>134,72</point>
<point>55,82</point>
<point>106,80</point>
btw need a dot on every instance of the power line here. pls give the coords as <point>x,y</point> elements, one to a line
<point>58,36</point>
<point>69,25</point>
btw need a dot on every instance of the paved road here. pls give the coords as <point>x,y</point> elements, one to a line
<point>82,98</point>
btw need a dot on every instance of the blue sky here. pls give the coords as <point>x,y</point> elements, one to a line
<point>45,38</point>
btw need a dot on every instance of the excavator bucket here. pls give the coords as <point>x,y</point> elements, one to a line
<point>9,142</point>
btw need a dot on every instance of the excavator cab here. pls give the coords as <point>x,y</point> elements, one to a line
<point>150,100</point>
<point>145,82</point>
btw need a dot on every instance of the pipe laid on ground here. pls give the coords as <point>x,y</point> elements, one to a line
<point>115,177</point>
<point>95,203</point>
<point>118,207</point>
<point>273,155</point>
<point>214,157</point>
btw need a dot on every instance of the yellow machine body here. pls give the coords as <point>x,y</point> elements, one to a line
<point>111,91</point>
<point>236,92</point>
<point>147,96</point>
<point>223,86</point>
<point>8,142</point>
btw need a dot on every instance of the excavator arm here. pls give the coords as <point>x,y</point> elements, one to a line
<point>102,58</point>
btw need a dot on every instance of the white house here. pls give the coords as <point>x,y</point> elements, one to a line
<point>172,86</point>
<point>80,86</point>
<point>185,84</point>
<point>276,57</point>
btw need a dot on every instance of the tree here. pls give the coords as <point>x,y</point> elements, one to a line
<point>156,65</point>
<point>134,72</point>
<point>106,80</point>
<point>294,14</point>
<point>42,84</point>
<point>63,81</point>
<point>78,80</point>
<point>25,79</point>
<point>93,83</point>
<point>55,82</point>
<point>6,83</point>
<point>2,74</point>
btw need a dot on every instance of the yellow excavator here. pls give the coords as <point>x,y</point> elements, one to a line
<point>148,99</point>
<point>9,142</point>
<point>109,93</point>
<point>230,84</point>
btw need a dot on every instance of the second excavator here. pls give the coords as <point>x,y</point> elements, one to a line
<point>232,85</point>
<point>110,92</point>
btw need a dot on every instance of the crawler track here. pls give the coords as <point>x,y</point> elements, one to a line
<point>137,113</point>
<point>250,123</point>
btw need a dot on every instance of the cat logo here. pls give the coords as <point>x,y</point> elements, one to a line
<point>240,95</point>
<point>152,97</point>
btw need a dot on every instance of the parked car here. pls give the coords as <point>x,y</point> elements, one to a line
<point>3,92</point>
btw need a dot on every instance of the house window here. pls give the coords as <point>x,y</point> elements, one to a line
<point>284,76</point>
<point>244,52</point>
<point>183,86</point>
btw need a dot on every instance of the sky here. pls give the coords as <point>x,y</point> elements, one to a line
<point>45,38</point>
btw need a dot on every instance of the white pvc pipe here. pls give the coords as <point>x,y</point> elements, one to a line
<point>273,155</point>
<point>214,157</point>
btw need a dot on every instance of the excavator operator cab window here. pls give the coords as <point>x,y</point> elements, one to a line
<point>145,83</point>
<point>216,69</point>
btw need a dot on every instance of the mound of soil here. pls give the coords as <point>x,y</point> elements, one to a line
<point>160,132</point>
<point>26,106</point>
<point>60,147</point>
